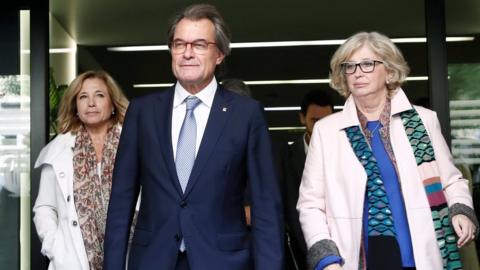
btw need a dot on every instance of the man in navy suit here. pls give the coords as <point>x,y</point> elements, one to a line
<point>316,104</point>
<point>192,162</point>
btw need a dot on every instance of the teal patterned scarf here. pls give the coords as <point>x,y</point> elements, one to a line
<point>428,170</point>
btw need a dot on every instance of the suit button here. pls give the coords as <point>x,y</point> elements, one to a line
<point>61,174</point>
<point>183,204</point>
<point>74,223</point>
<point>177,237</point>
<point>68,198</point>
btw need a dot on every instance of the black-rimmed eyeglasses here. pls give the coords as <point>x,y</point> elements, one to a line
<point>366,66</point>
<point>200,46</point>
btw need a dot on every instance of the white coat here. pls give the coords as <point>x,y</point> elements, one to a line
<point>55,216</point>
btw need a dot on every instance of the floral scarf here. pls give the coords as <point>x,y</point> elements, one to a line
<point>92,191</point>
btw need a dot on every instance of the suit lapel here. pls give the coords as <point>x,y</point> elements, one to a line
<point>219,114</point>
<point>163,116</point>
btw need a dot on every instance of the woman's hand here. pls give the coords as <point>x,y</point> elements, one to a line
<point>464,228</point>
<point>334,266</point>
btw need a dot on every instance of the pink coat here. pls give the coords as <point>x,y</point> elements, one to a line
<point>333,185</point>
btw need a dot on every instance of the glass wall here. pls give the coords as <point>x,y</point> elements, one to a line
<point>464,95</point>
<point>14,141</point>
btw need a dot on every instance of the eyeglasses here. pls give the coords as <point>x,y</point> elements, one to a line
<point>366,66</point>
<point>199,46</point>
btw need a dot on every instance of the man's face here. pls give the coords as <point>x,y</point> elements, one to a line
<point>195,71</point>
<point>314,113</point>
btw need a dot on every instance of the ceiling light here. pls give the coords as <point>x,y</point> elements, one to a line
<point>152,85</point>
<point>138,48</point>
<point>271,82</point>
<point>285,128</point>
<point>282,108</point>
<point>298,108</point>
<point>55,50</point>
<point>283,44</point>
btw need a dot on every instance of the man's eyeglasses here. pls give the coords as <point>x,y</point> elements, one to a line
<point>366,66</point>
<point>200,46</point>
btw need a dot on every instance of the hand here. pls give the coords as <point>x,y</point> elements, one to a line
<point>248,218</point>
<point>334,266</point>
<point>464,228</point>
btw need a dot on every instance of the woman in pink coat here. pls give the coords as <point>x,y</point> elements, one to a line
<point>379,189</point>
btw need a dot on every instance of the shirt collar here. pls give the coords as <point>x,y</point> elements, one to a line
<point>205,95</point>
<point>305,144</point>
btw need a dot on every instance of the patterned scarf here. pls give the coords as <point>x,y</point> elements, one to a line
<point>92,192</point>
<point>384,252</point>
<point>381,231</point>
<point>429,173</point>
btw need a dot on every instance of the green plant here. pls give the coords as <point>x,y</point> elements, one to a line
<point>55,95</point>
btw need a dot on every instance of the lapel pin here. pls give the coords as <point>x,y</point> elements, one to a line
<point>224,109</point>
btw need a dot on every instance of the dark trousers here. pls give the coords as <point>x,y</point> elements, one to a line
<point>182,261</point>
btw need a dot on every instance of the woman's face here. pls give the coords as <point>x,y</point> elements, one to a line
<point>362,84</point>
<point>94,105</point>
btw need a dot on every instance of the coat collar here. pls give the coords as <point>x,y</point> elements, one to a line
<point>400,103</point>
<point>56,147</point>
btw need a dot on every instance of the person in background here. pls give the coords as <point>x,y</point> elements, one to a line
<point>237,86</point>
<point>71,208</point>
<point>316,104</point>
<point>192,148</point>
<point>379,189</point>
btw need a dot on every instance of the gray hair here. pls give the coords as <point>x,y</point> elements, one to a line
<point>203,11</point>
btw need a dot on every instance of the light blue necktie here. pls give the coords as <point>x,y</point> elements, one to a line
<point>187,140</point>
<point>186,145</point>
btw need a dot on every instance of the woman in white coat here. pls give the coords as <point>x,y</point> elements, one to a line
<point>70,210</point>
<point>379,189</point>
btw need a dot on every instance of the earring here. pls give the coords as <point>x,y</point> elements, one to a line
<point>388,81</point>
<point>113,112</point>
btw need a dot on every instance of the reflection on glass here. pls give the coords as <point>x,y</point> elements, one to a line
<point>465,114</point>
<point>15,152</point>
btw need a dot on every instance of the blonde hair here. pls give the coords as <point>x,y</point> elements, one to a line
<point>382,46</point>
<point>68,120</point>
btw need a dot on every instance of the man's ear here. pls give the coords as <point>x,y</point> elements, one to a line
<point>302,118</point>
<point>220,57</point>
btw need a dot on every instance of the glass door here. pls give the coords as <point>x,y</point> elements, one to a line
<point>15,140</point>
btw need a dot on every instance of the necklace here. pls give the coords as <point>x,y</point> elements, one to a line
<point>372,132</point>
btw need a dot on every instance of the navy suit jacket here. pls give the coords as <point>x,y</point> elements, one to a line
<point>292,169</point>
<point>209,216</point>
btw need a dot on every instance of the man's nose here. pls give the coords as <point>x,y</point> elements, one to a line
<point>188,51</point>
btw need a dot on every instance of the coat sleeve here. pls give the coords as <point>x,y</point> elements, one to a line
<point>311,201</point>
<point>267,220</point>
<point>454,185</point>
<point>45,211</point>
<point>125,190</point>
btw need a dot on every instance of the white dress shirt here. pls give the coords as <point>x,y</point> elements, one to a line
<point>201,112</point>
